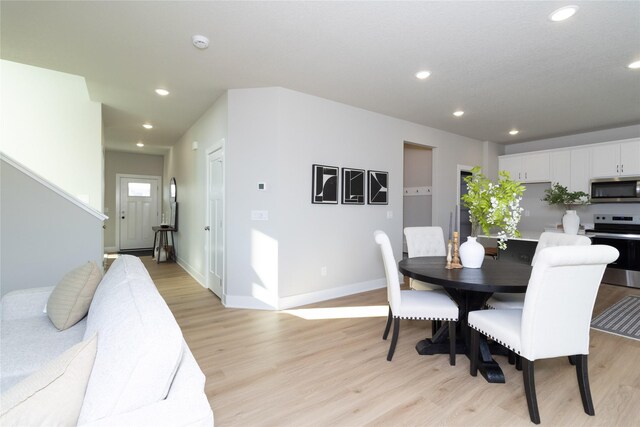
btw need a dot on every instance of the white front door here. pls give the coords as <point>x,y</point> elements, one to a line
<point>215,219</point>
<point>138,211</point>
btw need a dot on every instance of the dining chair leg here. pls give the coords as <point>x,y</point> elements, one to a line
<point>572,360</point>
<point>530,390</point>
<point>452,343</point>
<point>583,382</point>
<point>435,325</point>
<point>394,338</point>
<point>511,357</point>
<point>386,329</point>
<point>473,354</point>
<point>518,362</point>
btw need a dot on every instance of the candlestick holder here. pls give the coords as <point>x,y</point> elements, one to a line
<point>455,262</point>
<point>448,266</point>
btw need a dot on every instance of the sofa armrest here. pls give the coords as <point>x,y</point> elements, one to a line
<point>25,303</point>
<point>185,405</point>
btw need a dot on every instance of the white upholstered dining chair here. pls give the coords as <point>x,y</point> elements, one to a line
<point>424,241</point>
<point>555,318</point>
<point>434,305</point>
<point>547,240</point>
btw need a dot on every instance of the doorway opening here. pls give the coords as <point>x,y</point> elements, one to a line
<point>417,206</point>
<point>138,209</point>
<point>465,219</point>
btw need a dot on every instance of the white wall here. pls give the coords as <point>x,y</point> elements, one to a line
<point>44,235</point>
<point>49,124</point>
<point>188,166</point>
<point>275,135</point>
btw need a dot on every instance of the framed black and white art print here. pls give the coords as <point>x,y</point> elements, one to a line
<point>352,186</point>
<point>324,187</point>
<point>378,184</point>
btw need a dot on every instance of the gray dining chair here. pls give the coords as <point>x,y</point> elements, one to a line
<point>555,318</point>
<point>547,240</point>
<point>434,305</point>
<point>424,241</point>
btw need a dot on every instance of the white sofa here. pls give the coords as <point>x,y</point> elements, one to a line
<point>143,373</point>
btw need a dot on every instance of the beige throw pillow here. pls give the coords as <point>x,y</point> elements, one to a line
<point>52,396</point>
<point>70,300</point>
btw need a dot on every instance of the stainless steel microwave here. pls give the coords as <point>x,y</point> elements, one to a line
<point>615,190</point>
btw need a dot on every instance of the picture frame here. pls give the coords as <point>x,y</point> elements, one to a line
<point>324,184</point>
<point>378,187</point>
<point>353,186</point>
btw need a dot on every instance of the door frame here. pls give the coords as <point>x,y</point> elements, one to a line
<point>218,147</point>
<point>459,170</point>
<point>119,176</point>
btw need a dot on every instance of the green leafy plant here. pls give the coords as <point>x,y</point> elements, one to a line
<point>560,195</point>
<point>494,205</point>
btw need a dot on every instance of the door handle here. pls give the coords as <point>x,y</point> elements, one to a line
<point>207,228</point>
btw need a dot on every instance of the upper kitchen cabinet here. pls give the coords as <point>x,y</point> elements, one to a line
<point>532,167</point>
<point>616,159</point>
<point>569,168</point>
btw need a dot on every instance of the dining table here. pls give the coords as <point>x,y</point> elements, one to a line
<point>470,288</point>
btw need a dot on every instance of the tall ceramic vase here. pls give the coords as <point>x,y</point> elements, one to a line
<point>471,253</point>
<point>571,222</point>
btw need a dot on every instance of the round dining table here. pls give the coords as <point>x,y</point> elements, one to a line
<point>470,288</point>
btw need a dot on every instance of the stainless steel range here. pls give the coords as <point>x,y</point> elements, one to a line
<point>623,233</point>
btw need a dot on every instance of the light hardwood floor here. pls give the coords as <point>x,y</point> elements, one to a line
<point>267,368</point>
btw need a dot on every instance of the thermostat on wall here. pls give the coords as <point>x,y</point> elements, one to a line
<point>262,186</point>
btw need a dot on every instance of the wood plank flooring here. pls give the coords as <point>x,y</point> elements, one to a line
<point>268,368</point>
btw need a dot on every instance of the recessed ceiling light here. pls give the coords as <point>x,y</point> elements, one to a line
<point>162,92</point>
<point>458,113</point>
<point>423,74</point>
<point>634,65</point>
<point>514,132</point>
<point>563,13</point>
<point>140,144</point>
<point>147,126</point>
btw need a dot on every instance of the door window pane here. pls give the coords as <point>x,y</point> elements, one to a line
<point>139,189</point>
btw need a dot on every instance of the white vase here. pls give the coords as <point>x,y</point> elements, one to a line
<point>571,222</point>
<point>471,253</point>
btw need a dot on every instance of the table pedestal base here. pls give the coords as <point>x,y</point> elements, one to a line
<point>488,367</point>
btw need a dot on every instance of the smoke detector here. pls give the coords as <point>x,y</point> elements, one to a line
<point>201,42</point>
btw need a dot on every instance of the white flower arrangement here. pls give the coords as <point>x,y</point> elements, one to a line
<point>494,205</point>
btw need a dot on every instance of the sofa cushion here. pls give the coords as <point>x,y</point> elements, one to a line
<point>53,395</point>
<point>70,300</point>
<point>140,344</point>
<point>28,344</point>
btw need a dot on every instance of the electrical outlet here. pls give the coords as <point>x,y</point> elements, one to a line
<point>389,214</point>
<point>323,271</point>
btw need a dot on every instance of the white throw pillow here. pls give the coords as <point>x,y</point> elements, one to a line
<point>70,300</point>
<point>53,395</point>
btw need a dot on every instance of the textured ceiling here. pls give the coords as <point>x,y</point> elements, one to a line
<point>504,63</point>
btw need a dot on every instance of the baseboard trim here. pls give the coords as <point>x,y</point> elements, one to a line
<point>192,272</point>
<point>110,249</point>
<point>240,301</point>
<point>329,294</point>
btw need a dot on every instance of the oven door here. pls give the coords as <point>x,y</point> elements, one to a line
<point>625,270</point>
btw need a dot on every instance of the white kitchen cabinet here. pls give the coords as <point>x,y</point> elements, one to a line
<point>533,167</point>
<point>580,174</point>
<point>618,159</point>
<point>560,167</point>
